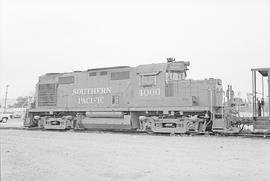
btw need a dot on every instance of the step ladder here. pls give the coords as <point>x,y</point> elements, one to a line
<point>261,125</point>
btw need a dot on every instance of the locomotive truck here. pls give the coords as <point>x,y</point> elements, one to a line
<point>152,97</point>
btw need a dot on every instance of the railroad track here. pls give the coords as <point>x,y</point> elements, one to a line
<point>247,135</point>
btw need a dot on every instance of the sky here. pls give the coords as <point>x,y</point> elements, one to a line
<point>221,38</point>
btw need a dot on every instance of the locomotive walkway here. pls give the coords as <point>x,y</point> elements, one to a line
<point>17,124</point>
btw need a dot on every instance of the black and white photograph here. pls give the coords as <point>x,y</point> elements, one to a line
<point>124,90</point>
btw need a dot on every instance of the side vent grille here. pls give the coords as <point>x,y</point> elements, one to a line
<point>47,95</point>
<point>120,75</point>
<point>66,80</point>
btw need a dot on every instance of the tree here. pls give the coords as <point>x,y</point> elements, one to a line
<point>21,102</point>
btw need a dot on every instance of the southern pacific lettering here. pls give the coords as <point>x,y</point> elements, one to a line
<point>92,91</point>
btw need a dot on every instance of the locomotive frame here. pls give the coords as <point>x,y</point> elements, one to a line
<point>152,97</point>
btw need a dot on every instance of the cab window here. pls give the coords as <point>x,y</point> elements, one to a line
<point>148,80</point>
<point>172,76</point>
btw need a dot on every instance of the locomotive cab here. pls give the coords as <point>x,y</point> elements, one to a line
<point>183,105</point>
<point>175,72</point>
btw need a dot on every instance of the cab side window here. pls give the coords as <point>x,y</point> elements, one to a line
<point>148,80</point>
<point>171,76</point>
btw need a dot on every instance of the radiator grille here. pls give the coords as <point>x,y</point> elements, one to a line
<point>47,95</point>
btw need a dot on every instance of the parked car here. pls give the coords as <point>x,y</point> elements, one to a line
<point>4,117</point>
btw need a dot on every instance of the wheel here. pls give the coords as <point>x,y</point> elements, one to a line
<point>149,131</point>
<point>4,120</point>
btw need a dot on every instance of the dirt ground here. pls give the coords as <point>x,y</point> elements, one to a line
<point>12,123</point>
<point>51,155</point>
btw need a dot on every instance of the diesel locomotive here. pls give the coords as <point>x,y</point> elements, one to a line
<point>154,97</point>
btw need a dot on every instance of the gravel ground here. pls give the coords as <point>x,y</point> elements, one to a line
<point>51,155</point>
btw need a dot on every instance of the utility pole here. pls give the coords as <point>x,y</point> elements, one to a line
<point>5,107</point>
